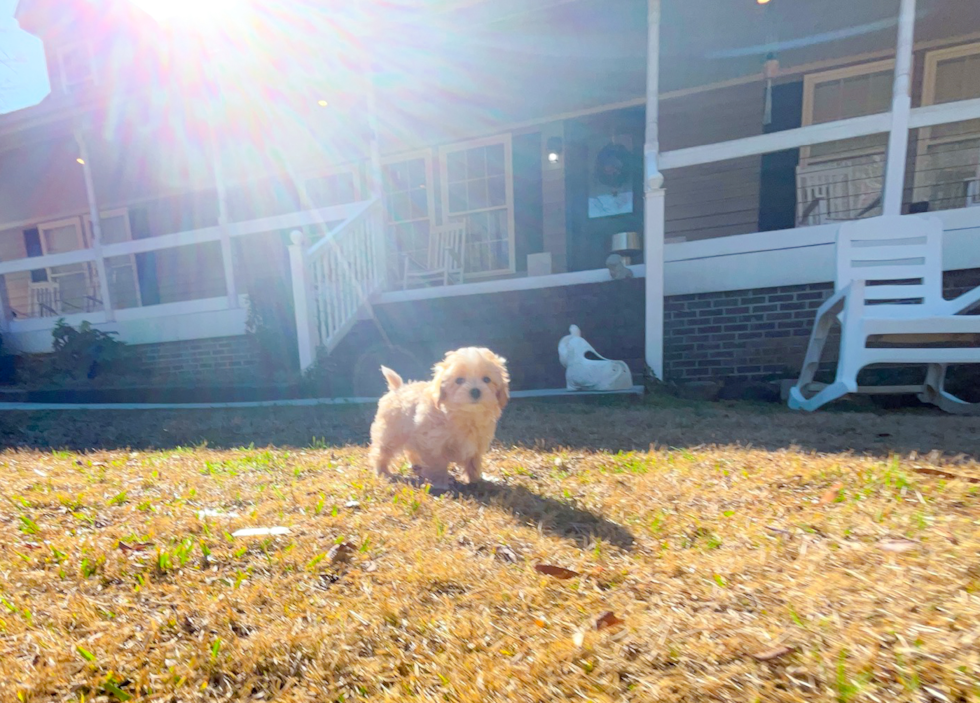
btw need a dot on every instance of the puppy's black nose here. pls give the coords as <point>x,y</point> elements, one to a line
<point>475,393</point>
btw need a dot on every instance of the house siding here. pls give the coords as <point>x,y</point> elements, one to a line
<point>719,199</point>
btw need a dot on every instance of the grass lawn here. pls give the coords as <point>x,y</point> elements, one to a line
<point>745,554</point>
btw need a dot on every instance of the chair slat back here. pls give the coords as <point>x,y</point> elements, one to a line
<point>898,257</point>
<point>443,240</point>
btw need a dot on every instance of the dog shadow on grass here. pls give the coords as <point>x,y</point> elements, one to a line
<point>555,517</point>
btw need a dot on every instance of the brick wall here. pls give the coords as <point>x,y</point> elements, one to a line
<point>751,334</point>
<point>215,360</point>
<point>754,334</point>
<point>748,334</point>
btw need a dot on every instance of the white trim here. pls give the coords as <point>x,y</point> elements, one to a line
<point>505,140</point>
<point>898,136</point>
<point>502,285</point>
<point>298,402</point>
<point>740,262</point>
<point>775,141</point>
<point>291,220</point>
<point>814,134</point>
<point>428,158</point>
<point>812,80</point>
<point>123,213</point>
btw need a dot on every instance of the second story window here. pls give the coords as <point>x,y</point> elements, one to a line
<point>77,69</point>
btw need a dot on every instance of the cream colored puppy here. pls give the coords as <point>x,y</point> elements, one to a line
<point>448,420</point>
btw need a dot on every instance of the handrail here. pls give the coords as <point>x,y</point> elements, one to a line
<point>336,231</point>
<point>189,237</point>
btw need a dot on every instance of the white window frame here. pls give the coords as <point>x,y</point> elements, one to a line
<point>427,157</point>
<point>87,46</point>
<point>82,240</point>
<point>925,138</point>
<point>90,234</point>
<point>810,82</point>
<point>506,141</point>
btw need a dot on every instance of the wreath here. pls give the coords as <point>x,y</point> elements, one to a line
<point>613,166</point>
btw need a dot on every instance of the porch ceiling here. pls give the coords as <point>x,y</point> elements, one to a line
<point>511,62</point>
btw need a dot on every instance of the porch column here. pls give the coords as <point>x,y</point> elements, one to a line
<point>301,300</point>
<point>93,213</point>
<point>653,203</point>
<point>898,138</point>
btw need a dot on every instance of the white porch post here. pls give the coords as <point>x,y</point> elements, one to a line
<point>653,202</point>
<point>93,212</point>
<point>898,138</point>
<point>301,300</point>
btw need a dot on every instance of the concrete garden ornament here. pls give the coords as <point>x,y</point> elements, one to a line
<point>586,370</point>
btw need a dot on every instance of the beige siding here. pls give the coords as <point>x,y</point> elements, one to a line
<point>720,199</point>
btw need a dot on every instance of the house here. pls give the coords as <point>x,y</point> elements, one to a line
<point>722,141</point>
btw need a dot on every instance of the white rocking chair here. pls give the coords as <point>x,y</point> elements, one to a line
<point>445,261</point>
<point>889,286</point>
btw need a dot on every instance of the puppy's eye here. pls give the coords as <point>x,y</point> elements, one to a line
<point>486,379</point>
<point>460,381</point>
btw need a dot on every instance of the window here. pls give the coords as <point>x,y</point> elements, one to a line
<point>77,70</point>
<point>409,208</point>
<point>71,288</point>
<point>338,188</point>
<point>947,171</point>
<point>840,94</point>
<point>477,187</point>
<point>120,270</point>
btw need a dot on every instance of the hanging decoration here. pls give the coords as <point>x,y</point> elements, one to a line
<point>770,69</point>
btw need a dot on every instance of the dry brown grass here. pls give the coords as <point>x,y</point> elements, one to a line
<point>713,555</point>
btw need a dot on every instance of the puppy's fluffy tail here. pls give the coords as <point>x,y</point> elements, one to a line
<point>393,379</point>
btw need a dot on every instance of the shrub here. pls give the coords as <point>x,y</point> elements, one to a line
<point>87,352</point>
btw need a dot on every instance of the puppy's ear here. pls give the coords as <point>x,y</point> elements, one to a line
<point>503,389</point>
<point>439,378</point>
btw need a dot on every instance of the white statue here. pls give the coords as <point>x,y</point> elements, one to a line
<point>586,370</point>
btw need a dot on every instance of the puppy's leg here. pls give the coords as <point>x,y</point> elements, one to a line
<point>435,474</point>
<point>474,469</point>
<point>380,458</point>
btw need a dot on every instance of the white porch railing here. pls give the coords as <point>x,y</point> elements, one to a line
<point>42,304</point>
<point>335,279</point>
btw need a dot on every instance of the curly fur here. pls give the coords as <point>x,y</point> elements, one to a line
<point>450,419</point>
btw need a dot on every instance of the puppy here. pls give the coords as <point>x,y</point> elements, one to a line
<point>448,420</point>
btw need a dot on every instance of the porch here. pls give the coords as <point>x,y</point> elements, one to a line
<point>749,209</point>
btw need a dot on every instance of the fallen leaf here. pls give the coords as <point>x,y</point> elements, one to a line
<point>578,638</point>
<point>557,571</point>
<point>771,654</point>
<point>135,546</point>
<point>831,495</point>
<point>898,545</point>
<point>352,504</point>
<point>341,552</point>
<point>260,531</point>
<point>608,619</point>
<point>945,474</point>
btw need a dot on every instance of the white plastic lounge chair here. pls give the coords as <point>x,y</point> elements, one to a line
<point>889,292</point>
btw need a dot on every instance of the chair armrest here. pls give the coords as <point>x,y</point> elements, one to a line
<point>412,261</point>
<point>963,303</point>
<point>835,300</point>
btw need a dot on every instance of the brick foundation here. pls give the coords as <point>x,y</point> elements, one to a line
<point>220,359</point>
<point>750,335</point>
